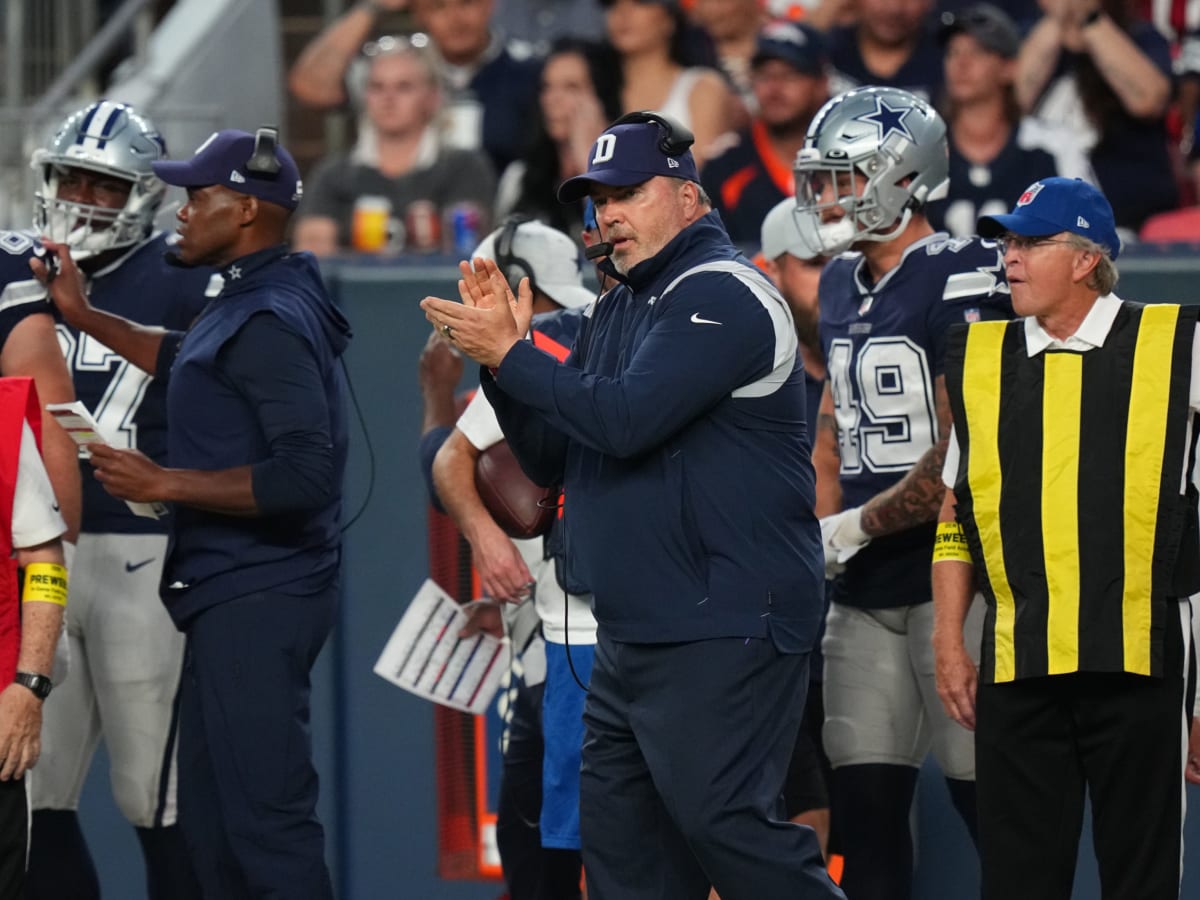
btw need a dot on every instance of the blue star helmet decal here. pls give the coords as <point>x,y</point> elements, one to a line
<point>887,119</point>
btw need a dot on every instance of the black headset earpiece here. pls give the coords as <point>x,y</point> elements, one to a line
<point>506,260</point>
<point>262,161</point>
<point>674,138</point>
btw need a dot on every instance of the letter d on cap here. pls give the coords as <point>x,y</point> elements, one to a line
<point>606,145</point>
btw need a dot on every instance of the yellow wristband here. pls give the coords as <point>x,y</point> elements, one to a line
<point>950,543</point>
<point>45,583</point>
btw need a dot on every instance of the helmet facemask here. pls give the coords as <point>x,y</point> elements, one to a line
<point>108,139</point>
<point>90,229</point>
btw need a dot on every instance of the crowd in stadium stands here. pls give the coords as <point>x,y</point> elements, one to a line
<point>1026,90</point>
<point>397,161</point>
<point>467,116</point>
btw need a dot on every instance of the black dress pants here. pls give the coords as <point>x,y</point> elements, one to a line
<point>685,753</point>
<point>1041,742</point>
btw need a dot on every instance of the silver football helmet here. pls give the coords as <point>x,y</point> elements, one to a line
<point>112,139</point>
<point>878,153</point>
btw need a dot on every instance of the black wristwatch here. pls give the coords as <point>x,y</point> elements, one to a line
<point>41,685</point>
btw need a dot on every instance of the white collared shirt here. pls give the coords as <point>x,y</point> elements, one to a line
<point>1090,334</point>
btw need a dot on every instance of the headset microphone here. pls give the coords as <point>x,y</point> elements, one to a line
<point>604,248</point>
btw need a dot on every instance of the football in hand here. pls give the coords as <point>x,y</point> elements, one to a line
<point>520,507</point>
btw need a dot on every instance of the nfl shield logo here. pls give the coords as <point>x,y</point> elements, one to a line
<point>1030,192</point>
<point>971,315</point>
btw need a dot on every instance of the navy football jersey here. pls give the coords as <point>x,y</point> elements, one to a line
<point>129,404</point>
<point>21,294</point>
<point>883,346</point>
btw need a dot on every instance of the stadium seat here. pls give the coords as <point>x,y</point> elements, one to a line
<point>1180,225</point>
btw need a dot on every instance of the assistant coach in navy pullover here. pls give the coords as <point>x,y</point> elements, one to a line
<point>677,427</point>
<point>256,444</point>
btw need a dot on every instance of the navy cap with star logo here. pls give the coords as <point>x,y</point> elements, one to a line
<point>230,158</point>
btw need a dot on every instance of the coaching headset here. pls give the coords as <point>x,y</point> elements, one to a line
<point>514,267</point>
<point>674,138</point>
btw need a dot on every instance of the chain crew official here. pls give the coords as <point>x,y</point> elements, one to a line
<point>1069,474</point>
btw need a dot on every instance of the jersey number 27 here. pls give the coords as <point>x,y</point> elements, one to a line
<point>122,395</point>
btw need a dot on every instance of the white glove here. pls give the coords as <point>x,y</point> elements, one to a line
<point>842,536</point>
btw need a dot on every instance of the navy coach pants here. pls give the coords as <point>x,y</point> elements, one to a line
<point>684,758</point>
<point>247,786</point>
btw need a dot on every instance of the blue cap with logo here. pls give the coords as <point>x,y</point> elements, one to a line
<point>629,153</point>
<point>1057,204</point>
<point>800,46</point>
<point>254,164</point>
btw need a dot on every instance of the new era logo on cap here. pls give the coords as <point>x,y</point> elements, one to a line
<point>1058,204</point>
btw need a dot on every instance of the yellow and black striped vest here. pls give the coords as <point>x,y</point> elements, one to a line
<point>1069,490</point>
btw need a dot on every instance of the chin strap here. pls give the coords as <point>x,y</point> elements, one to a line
<point>901,224</point>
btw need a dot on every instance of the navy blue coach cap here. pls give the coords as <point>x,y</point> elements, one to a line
<point>225,159</point>
<point>629,154</point>
<point>1058,204</point>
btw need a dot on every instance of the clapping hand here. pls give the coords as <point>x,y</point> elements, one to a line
<point>489,320</point>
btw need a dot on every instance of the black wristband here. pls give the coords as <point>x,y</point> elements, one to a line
<point>41,685</point>
<point>1092,18</point>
